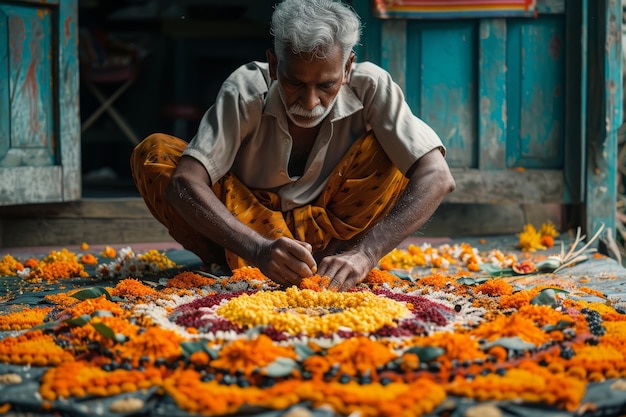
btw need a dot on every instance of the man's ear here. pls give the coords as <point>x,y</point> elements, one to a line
<point>348,67</point>
<point>273,63</point>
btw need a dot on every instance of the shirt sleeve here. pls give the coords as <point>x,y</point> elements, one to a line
<point>235,113</point>
<point>404,137</point>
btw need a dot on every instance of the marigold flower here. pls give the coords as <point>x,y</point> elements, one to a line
<point>88,259</point>
<point>495,287</point>
<point>9,266</point>
<point>108,252</point>
<point>530,239</point>
<point>246,356</point>
<point>24,319</point>
<point>134,288</point>
<point>315,283</point>
<point>188,279</point>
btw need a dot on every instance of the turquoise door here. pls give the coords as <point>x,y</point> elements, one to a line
<point>39,121</point>
<point>508,96</point>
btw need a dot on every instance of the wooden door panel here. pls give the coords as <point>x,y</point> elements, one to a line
<point>29,34</point>
<point>494,91</point>
<point>39,122</point>
<point>536,92</point>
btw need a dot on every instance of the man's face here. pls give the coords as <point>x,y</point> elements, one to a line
<point>309,86</point>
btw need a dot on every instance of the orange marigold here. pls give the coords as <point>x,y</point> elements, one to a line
<point>359,354</point>
<point>315,283</point>
<point>9,266</point>
<point>188,279</point>
<point>108,252</point>
<point>248,273</point>
<point>377,277</point>
<point>134,288</point>
<point>24,319</point>
<point>55,270</point>
<point>154,343</point>
<point>247,355</point>
<point>495,287</point>
<point>88,259</point>
<point>94,304</point>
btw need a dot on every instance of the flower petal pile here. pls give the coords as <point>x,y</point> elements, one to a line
<point>391,346</point>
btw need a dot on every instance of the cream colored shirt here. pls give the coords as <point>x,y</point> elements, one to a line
<point>246,131</point>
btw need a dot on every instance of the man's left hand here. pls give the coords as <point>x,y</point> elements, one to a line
<point>346,269</point>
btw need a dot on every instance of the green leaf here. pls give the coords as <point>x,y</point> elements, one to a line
<point>280,367</point>
<point>495,270</point>
<point>93,292</point>
<point>189,348</point>
<point>426,353</point>
<point>254,332</point>
<point>471,281</point>
<point>47,325</point>
<point>102,313</point>
<point>402,274</point>
<point>509,343</point>
<point>547,297</point>
<point>303,351</point>
<point>79,321</point>
<point>561,325</point>
<point>104,330</point>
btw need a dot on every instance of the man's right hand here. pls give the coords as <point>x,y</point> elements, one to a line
<point>286,261</point>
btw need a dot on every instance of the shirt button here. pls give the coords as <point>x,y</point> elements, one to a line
<point>286,141</point>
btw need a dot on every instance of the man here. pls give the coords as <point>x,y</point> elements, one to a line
<point>309,163</point>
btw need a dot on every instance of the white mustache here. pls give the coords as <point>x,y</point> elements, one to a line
<point>298,110</point>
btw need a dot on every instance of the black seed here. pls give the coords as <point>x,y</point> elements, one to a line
<point>501,371</point>
<point>385,381</point>
<point>344,378</point>
<point>208,377</point>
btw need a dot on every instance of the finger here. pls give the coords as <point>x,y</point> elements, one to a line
<point>306,245</point>
<point>336,278</point>
<point>349,283</point>
<point>303,253</point>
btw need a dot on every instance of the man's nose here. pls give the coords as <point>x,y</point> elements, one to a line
<point>310,99</point>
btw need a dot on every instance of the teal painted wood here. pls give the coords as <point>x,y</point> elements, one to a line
<point>39,122</point>
<point>556,100</point>
<point>30,85</point>
<point>535,92</point>
<point>448,86</point>
<point>604,112</point>
<point>393,54</point>
<point>492,99</point>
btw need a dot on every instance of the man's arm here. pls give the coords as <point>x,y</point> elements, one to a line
<point>283,260</point>
<point>430,181</point>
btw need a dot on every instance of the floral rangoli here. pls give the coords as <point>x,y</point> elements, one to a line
<point>136,339</point>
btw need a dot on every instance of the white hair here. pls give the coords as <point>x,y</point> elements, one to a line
<point>314,27</point>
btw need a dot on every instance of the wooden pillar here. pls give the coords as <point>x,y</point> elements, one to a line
<point>604,111</point>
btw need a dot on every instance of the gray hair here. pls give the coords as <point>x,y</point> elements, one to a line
<point>314,27</point>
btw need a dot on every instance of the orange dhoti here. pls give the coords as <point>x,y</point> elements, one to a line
<point>360,191</point>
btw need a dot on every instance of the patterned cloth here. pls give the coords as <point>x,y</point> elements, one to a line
<point>360,191</point>
<point>453,8</point>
